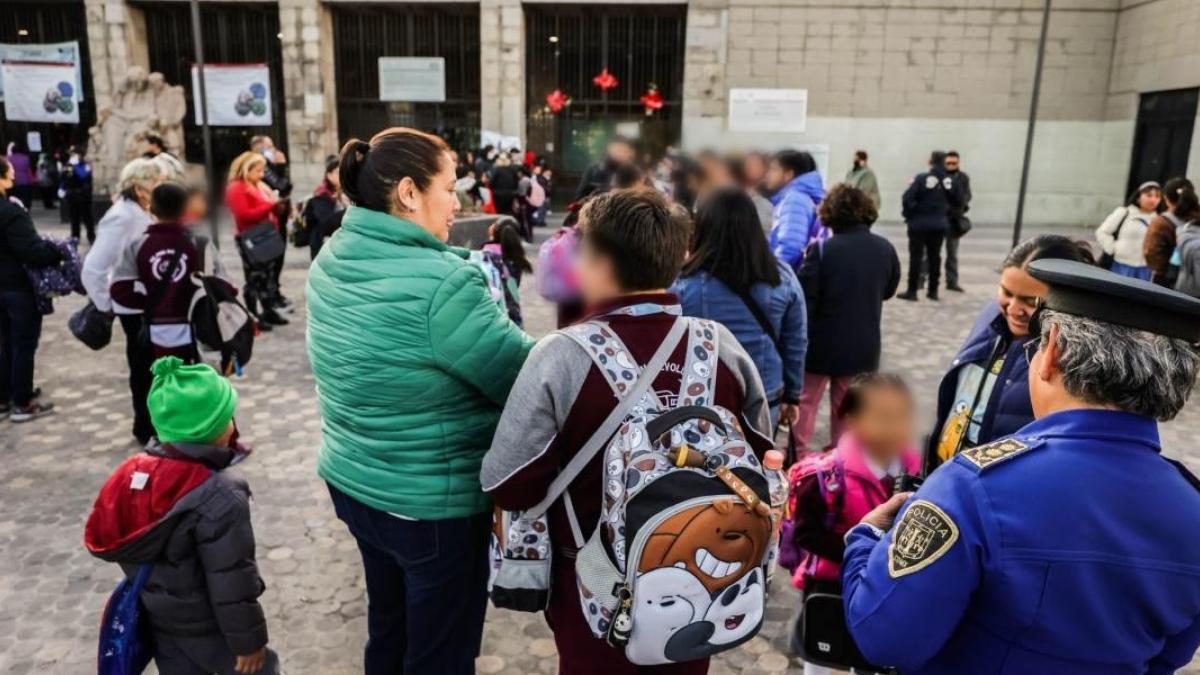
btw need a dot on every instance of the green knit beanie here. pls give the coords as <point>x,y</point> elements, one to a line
<point>189,403</point>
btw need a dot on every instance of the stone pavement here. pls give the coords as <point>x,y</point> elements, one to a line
<point>52,591</point>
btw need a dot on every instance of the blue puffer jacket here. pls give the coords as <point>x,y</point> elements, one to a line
<point>796,224</point>
<point>1009,407</point>
<point>703,295</point>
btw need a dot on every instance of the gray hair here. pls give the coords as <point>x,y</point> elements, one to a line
<point>1128,369</point>
<point>140,172</point>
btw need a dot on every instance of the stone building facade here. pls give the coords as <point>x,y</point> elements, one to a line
<point>894,77</point>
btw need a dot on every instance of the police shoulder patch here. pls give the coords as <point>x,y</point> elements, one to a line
<point>924,534</point>
<point>991,454</point>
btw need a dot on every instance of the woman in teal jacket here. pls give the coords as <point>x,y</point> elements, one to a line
<point>413,362</point>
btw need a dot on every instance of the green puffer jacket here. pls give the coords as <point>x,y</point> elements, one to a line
<point>413,362</point>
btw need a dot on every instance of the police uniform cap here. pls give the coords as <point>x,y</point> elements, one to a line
<point>1091,292</point>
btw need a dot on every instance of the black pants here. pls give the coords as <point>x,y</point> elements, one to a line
<point>139,359</point>
<point>20,332</point>
<point>202,655</point>
<point>426,588</point>
<point>952,260</point>
<point>924,244</point>
<point>277,294</point>
<point>79,210</point>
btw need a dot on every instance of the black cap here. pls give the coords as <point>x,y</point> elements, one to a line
<point>1094,293</point>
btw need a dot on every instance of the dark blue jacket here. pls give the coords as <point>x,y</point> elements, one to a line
<point>703,295</point>
<point>928,200</point>
<point>1009,407</point>
<point>1068,549</point>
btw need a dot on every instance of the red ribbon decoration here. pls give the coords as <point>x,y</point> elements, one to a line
<point>557,100</point>
<point>605,80</point>
<point>652,100</point>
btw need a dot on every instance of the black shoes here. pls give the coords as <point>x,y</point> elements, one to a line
<point>933,295</point>
<point>910,296</point>
<point>30,412</point>
<point>956,288</point>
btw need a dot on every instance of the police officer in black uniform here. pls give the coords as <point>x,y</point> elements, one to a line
<point>926,208</point>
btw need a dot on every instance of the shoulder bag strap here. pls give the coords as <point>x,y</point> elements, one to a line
<point>760,317</point>
<point>611,423</point>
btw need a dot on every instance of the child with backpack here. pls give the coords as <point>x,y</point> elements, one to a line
<point>505,250</point>
<point>155,274</point>
<point>832,491</point>
<point>179,524</point>
<point>691,382</point>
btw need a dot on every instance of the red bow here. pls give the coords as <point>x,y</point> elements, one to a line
<point>557,100</point>
<point>652,100</point>
<point>605,80</point>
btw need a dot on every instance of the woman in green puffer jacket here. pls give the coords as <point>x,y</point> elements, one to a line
<point>413,362</point>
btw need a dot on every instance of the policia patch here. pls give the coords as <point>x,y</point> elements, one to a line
<point>922,536</point>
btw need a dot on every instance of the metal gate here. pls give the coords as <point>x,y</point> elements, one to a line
<point>568,45</point>
<point>1163,136</point>
<point>49,21</point>
<point>241,32</point>
<point>363,33</point>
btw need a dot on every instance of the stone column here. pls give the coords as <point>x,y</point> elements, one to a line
<point>308,88</point>
<point>502,67</point>
<point>116,35</point>
<point>704,71</point>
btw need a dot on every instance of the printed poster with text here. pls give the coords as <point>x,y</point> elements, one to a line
<point>40,92</point>
<point>239,95</point>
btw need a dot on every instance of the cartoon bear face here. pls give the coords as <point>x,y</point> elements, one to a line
<point>717,543</point>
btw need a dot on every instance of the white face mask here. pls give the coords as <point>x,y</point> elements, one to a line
<point>269,153</point>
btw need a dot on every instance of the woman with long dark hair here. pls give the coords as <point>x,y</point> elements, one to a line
<point>733,278</point>
<point>413,362</point>
<point>985,393</point>
<point>1162,237</point>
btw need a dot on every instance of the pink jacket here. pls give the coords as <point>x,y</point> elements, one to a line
<point>830,494</point>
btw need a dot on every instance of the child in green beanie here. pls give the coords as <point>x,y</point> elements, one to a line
<point>174,507</point>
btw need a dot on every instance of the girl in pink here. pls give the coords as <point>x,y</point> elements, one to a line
<point>831,492</point>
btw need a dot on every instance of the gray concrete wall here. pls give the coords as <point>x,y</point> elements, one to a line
<point>895,77</point>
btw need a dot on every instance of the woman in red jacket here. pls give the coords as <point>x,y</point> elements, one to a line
<point>251,201</point>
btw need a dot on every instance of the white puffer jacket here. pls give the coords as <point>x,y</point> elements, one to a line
<point>1123,233</point>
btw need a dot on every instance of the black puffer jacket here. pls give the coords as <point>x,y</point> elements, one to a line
<point>192,522</point>
<point>20,247</point>
<point>929,199</point>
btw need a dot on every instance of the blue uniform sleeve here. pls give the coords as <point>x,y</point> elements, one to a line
<point>907,591</point>
<point>909,200</point>
<point>1177,652</point>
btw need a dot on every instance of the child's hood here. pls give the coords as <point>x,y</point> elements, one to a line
<point>140,503</point>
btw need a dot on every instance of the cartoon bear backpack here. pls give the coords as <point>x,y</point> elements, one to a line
<point>675,569</point>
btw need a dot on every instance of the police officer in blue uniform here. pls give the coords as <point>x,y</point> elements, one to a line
<point>1070,548</point>
<point>926,207</point>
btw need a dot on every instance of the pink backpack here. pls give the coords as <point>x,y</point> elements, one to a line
<point>537,193</point>
<point>555,276</point>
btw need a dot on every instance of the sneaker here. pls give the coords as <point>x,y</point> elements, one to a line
<point>956,288</point>
<point>284,305</point>
<point>30,412</point>
<point>910,296</point>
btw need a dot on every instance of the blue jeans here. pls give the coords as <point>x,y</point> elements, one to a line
<point>426,588</point>
<point>1124,270</point>
<point>20,331</point>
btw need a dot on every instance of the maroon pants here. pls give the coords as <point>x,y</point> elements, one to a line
<point>581,653</point>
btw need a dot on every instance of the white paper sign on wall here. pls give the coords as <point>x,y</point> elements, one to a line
<point>412,78</point>
<point>774,110</point>
<point>40,92</point>
<point>238,94</point>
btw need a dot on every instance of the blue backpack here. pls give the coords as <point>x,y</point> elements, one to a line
<point>124,644</point>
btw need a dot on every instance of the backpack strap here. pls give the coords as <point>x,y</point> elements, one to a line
<point>609,354</point>
<point>697,385</point>
<point>608,427</point>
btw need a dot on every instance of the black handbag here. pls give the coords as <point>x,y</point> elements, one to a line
<point>91,326</point>
<point>261,245</point>
<point>825,638</point>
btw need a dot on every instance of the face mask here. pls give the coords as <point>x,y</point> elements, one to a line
<point>269,153</point>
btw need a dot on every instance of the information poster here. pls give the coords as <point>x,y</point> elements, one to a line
<point>56,52</point>
<point>774,110</point>
<point>238,95</point>
<point>404,78</point>
<point>40,92</point>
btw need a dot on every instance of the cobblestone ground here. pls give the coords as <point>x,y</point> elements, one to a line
<point>52,591</point>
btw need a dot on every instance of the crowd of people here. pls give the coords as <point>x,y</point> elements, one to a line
<point>706,305</point>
